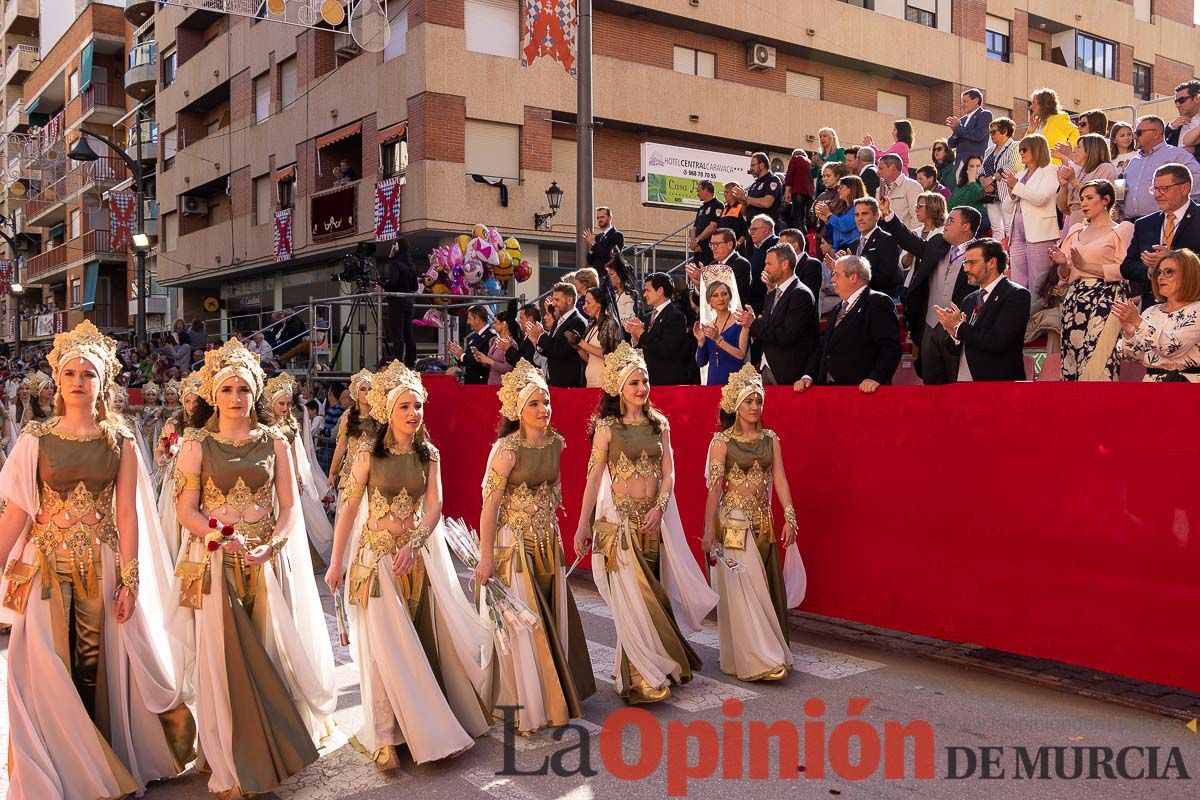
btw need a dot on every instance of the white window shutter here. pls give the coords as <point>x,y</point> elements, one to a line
<point>493,26</point>
<point>493,149</point>
<point>801,85</point>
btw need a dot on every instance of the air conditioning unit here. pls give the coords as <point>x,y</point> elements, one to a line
<point>760,56</point>
<point>193,206</point>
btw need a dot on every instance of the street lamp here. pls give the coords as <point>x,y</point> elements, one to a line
<point>554,196</point>
<point>82,151</point>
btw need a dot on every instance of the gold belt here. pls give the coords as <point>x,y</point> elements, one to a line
<point>195,576</point>
<point>78,540</point>
<point>609,535</point>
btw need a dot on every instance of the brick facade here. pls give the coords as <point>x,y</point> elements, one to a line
<point>451,13</point>
<point>241,192</point>
<point>967,19</point>
<point>1168,74</point>
<point>1179,10</point>
<point>96,19</point>
<point>1125,64</point>
<point>241,97</point>
<point>188,42</point>
<point>535,139</point>
<point>436,124</point>
<point>315,56</point>
<point>1019,39</point>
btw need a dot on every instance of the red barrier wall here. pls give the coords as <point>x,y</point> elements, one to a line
<point>1051,520</point>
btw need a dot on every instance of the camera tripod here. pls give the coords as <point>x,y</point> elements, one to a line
<point>355,305</point>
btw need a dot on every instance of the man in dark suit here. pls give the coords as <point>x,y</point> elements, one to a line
<point>521,345</point>
<point>603,242</point>
<point>401,276</point>
<point>878,247</point>
<point>788,330</point>
<point>861,343</point>
<point>479,320</point>
<point>969,133</point>
<point>762,238</point>
<point>992,324</point>
<point>865,158</point>
<point>664,337</point>
<point>937,280</point>
<point>562,359</point>
<point>808,269</point>
<point>1174,226</point>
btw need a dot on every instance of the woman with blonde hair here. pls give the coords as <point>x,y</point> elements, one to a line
<point>831,151</point>
<point>1091,163</point>
<point>1165,338</point>
<point>1033,226</point>
<point>1046,119</point>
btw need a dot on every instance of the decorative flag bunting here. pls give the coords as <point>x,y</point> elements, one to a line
<point>283,234</point>
<point>387,209</point>
<point>550,28</point>
<point>121,207</point>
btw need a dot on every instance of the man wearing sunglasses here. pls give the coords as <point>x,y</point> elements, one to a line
<point>1174,225</point>
<point>1152,153</point>
<point>1185,130</point>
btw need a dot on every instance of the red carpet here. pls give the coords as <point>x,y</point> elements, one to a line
<point>1049,520</point>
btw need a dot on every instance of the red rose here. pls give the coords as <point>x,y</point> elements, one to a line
<point>213,546</point>
<point>227,530</point>
<point>174,438</point>
<point>212,523</point>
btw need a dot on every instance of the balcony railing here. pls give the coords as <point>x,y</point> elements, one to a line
<point>103,94</point>
<point>46,262</point>
<point>20,58</point>
<point>101,315</point>
<point>145,53</point>
<point>98,243</point>
<point>49,134</point>
<point>110,169</point>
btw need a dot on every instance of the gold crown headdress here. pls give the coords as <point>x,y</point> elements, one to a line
<point>517,386</point>
<point>230,360</point>
<point>283,383</point>
<point>35,381</point>
<point>388,385</point>
<point>151,387</point>
<point>743,383</point>
<point>171,386</point>
<point>618,366</point>
<point>357,380</point>
<point>189,385</point>
<point>87,342</point>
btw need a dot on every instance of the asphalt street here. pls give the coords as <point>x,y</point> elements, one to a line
<point>965,709</point>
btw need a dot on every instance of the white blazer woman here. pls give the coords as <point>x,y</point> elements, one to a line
<point>1035,192</point>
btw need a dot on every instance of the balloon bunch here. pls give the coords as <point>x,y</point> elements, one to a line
<point>478,263</point>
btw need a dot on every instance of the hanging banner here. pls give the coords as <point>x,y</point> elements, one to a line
<point>387,209</point>
<point>671,173</point>
<point>333,212</point>
<point>283,234</point>
<point>550,29</point>
<point>6,275</point>
<point>121,206</point>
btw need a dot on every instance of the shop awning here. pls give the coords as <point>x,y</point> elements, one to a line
<point>85,65</point>
<point>90,279</point>
<point>286,173</point>
<point>393,132</point>
<point>341,133</point>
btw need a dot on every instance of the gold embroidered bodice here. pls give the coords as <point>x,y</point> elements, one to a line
<point>633,450</point>
<point>367,427</point>
<point>395,492</point>
<point>747,472</point>
<point>238,478</point>
<point>533,490</point>
<point>76,478</point>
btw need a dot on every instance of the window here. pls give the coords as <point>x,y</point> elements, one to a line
<point>922,12</point>
<point>262,97</point>
<point>695,62</point>
<point>1036,51</point>
<point>73,84</point>
<point>493,149</point>
<point>169,141</point>
<point>394,155</point>
<point>287,83</point>
<point>1144,11</point>
<point>1142,75</point>
<point>287,193</point>
<point>1095,56</point>
<point>262,199</point>
<point>168,68</point>
<point>170,227</point>
<point>76,293</point>
<point>998,36</point>
<point>801,85</point>
<point>894,104</point>
<point>563,156</point>
<point>74,223</point>
<point>212,127</point>
<point>493,27</point>
<point>867,4</point>
<point>397,44</point>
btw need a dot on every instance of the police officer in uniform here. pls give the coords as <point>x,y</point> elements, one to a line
<point>708,218</point>
<point>765,195</point>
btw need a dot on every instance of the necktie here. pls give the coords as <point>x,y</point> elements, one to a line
<point>862,243</point>
<point>845,309</point>
<point>1169,229</point>
<point>953,254</point>
<point>978,307</point>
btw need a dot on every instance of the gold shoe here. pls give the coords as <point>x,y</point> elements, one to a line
<point>776,674</point>
<point>642,692</point>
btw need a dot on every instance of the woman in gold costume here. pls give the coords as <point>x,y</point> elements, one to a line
<point>744,463</point>
<point>265,690</point>
<point>418,643</point>
<point>145,421</point>
<point>281,393</point>
<point>355,430</point>
<point>641,562</point>
<point>169,444</point>
<point>95,685</point>
<point>547,670</point>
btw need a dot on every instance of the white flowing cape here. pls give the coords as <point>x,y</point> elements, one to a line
<point>297,643</point>
<point>50,746</point>
<point>316,523</point>
<point>385,643</point>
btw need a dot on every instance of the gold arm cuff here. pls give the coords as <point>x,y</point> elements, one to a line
<point>420,537</point>
<point>789,516</point>
<point>716,473</point>
<point>186,480</point>
<point>493,481</point>
<point>661,501</point>
<point>598,456</point>
<point>129,576</point>
<point>277,545</point>
<point>354,488</point>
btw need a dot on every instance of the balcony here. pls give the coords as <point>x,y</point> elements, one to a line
<point>20,60</point>
<point>97,246</point>
<point>148,151</point>
<point>138,11</point>
<point>142,75</point>
<point>48,137</point>
<point>92,246</point>
<point>333,212</point>
<point>45,263</point>
<point>48,207</point>
<point>21,16</point>
<point>16,120</point>
<point>101,104</point>
<point>150,217</point>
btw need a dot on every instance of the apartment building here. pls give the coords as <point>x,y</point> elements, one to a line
<point>254,116</point>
